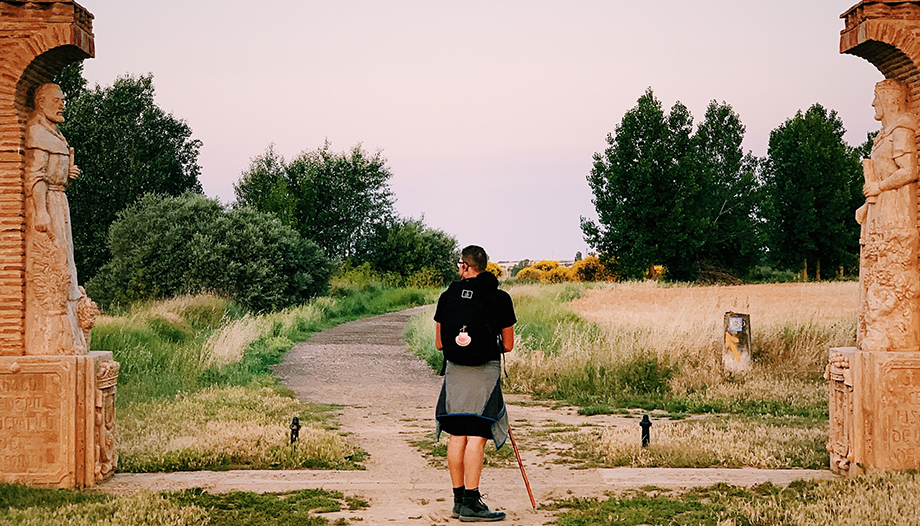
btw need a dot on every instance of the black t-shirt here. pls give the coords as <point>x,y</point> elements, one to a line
<point>504,307</point>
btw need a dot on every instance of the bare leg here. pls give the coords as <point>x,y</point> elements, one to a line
<point>473,457</point>
<point>456,449</point>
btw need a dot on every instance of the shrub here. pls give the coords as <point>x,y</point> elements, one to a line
<point>545,265</point>
<point>655,272</point>
<point>530,274</point>
<point>252,257</point>
<point>590,269</point>
<point>150,244</point>
<point>427,278</point>
<point>522,264</point>
<point>406,247</point>
<point>558,275</point>
<point>495,269</point>
<point>165,246</point>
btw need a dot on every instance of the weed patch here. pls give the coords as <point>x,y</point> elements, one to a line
<point>874,499</point>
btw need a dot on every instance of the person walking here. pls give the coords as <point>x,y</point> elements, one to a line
<point>474,327</point>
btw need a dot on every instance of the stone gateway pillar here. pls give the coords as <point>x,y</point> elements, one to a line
<point>874,388</point>
<point>56,399</point>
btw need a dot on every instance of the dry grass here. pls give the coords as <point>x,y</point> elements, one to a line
<point>714,441</point>
<point>228,343</point>
<point>892,498</point>
<point>223,427</point>
<point>793,325</point>
<point>143,509</point>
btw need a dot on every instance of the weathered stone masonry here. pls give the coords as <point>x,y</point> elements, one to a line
<point>37,39</point>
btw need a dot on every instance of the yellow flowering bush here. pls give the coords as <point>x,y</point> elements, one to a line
<point>558,275</point>
<point>494,269</point>
<point>530,274</point>
<point>545,265</point>
<point>591,269</point>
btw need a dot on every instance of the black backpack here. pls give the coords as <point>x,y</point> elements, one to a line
<point>470,309</point>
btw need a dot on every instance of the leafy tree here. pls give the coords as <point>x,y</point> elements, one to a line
<point>730,193</point>
<point>258,261</point>
<point>335,199</point>
<point>71,80</point>
<point>645,193</point>
<point>126,147</point>
<point>812,182</point>
<point>163,246</point>
<point>406,247</point>
<point>668,195</point>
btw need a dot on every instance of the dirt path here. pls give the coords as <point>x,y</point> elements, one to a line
<point>387,398</point>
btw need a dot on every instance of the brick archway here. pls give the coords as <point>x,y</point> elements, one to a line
<point>37,39</point>
<point>887,34</point>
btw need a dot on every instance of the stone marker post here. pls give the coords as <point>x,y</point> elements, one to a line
<point>736,342</point>
<point>874,388</point>
<point>57,399</point>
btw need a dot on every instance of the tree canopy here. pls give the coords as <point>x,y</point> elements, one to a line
<point>336,199</point>
<point>163,246</point>
<point>813,184</point>
<point>666,194</point>
<point>407,247</point>
<point>126,147</point>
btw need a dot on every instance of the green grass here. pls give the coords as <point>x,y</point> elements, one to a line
<point>185,361</point>
<point>160,349</point>
<point>254,509</point>
<point>20,505</point>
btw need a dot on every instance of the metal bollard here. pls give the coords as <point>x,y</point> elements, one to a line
<point>295,429</point>
<point>645,424</point>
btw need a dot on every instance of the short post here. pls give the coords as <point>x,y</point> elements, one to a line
<point>736,343</point>
<point>645,424</point>
<point>295,430</point>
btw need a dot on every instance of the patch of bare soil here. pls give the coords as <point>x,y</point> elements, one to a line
<point>387,398</point>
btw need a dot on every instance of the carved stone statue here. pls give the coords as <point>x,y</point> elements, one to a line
<point>53,295</point>
<point>889,311</point>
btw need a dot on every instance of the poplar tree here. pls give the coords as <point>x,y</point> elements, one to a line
<point>666,195</point>
<point>812,181</point>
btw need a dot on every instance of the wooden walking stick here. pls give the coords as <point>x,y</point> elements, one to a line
<point>517,455</point>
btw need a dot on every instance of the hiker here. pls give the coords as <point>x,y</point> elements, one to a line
<point>475,325</point>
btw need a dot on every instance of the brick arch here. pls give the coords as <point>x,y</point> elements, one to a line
<point>886,33</point>
<point>41,70</point>
<point>37,39</point>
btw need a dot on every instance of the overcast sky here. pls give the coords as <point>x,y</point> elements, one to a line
<point>488,112</point>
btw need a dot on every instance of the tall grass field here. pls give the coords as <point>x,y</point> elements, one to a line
<point>655,347</point>
<point>196,390</point>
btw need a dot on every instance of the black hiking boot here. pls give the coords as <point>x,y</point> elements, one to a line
<point>474,509</point>
<point>458,501</point>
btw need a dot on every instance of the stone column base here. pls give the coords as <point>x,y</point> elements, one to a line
<point>57,416</point>
<point>874,402</point>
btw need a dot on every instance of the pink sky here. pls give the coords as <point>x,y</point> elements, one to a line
<point>488,112</point>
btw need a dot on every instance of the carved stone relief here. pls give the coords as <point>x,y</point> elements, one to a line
<point>53,296</point>
<point>106,457</point>
<point>889,273</point>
